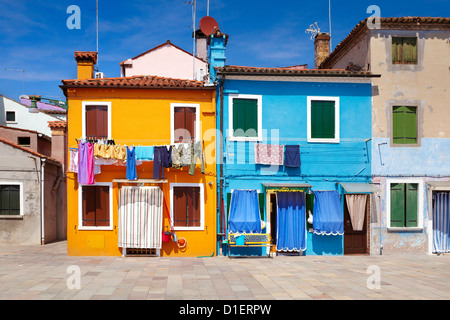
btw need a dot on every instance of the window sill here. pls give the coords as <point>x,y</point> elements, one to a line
<point>244,139</point>
<point>11,217</point>
<point>404,229</point>
<point>313,140</point>
<point>189,229</point>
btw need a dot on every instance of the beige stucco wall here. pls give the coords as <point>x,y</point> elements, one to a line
<point>426,84</point>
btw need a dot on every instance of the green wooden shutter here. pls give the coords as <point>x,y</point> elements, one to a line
<point>410,50</point>
<point>228,204</point>
<point>245,117</point>
<point>10,200</point>
<point>397,50</point>
<point>322,119</point>
<point>397,205</point>
<point>404,125</point>
<point>261,205</point>
<point>404,50</point>
<point>411,204</point>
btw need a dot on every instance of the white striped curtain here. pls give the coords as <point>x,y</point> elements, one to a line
<point>441,222</point>
<point>140,217</point>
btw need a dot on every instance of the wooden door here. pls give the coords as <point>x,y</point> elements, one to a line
<point>355,242</point>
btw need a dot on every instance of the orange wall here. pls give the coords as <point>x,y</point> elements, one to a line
<point>142,117</point>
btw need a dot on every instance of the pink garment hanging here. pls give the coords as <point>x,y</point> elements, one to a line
<point>86,162</point>
<point>269,154</point>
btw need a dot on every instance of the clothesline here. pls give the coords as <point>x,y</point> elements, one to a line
<point>89,156</point>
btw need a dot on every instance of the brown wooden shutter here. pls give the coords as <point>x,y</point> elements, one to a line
<point>193,206</point>
<point>184,124</point>
<point>95,202</point>
<point>97,122</point>
<point>190,123</point>
<point>179,120</point>
<point>102,206</point>
<point>89,204</point>
<point>179,207</point>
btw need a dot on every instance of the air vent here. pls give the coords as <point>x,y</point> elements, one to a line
<point>142,252</point>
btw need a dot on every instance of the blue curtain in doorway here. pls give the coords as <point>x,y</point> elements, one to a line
<point>328,218</point>
<point>441,222</point>
<point>291,225</point>
<point>244,212</point>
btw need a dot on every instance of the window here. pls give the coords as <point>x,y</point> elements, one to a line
<point>187,210</point>
<point>95,207</point>
<point>245,118</point>
<point>24,141</point>
<point>96,120</point>
<point>10,198</point>
<point>404,50</point>
<point>323,119</point>
<point>404,125</point>
<point>404,204</point>
<point>185,122</point>
<point>10,116</point>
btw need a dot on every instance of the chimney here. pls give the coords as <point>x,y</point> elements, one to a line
<point>85,64</point>
<point>201,45</point>
<point>217,43</point>
<point>321,48</point>
<point>59,146</point>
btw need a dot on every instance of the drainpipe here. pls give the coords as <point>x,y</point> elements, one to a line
<point>42,201</point>
<point>221,203</point>
<point>380,244</point>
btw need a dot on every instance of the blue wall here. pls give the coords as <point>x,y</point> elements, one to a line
<point>284,108</point>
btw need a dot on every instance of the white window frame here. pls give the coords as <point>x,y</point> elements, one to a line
<point>202,205</point>
<point>83,115</point>
<point>15,116</point>
<point>80,206</point>
<point>172,120</point>
<point>336,138</point>
<point>231,97</point>
<point>20,184</point>
<point>420,204</point>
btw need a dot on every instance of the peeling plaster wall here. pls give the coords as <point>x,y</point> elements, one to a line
<point>17,167</point>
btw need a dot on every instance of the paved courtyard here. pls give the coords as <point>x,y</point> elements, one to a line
<point>46,272</point>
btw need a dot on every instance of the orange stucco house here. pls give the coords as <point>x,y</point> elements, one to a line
<point>133,202</point>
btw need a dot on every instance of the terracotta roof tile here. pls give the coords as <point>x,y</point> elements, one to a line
<point>243,70</point>
<point>85,56</point>
<point>57,124</point>
<point>396,23</point>
<point>139,82</point>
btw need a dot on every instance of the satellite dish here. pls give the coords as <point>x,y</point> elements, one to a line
<point>208,25</point>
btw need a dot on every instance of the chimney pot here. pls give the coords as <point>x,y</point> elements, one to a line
<point>85,64</point>
<point>321,48</point>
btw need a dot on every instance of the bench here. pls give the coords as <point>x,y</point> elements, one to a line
<point>251,240</point>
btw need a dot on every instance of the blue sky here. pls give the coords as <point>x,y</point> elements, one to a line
<point>34,36</point>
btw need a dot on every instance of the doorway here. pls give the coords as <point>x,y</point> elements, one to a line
<point>441,221</point>
<point>356,241</point>
<point>272,220</point>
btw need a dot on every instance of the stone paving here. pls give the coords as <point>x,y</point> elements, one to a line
<point>44,273</point>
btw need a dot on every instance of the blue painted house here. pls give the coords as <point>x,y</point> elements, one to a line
<point>300,139</point>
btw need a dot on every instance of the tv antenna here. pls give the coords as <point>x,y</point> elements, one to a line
<point>96,9</point>
<point>313,30</point>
